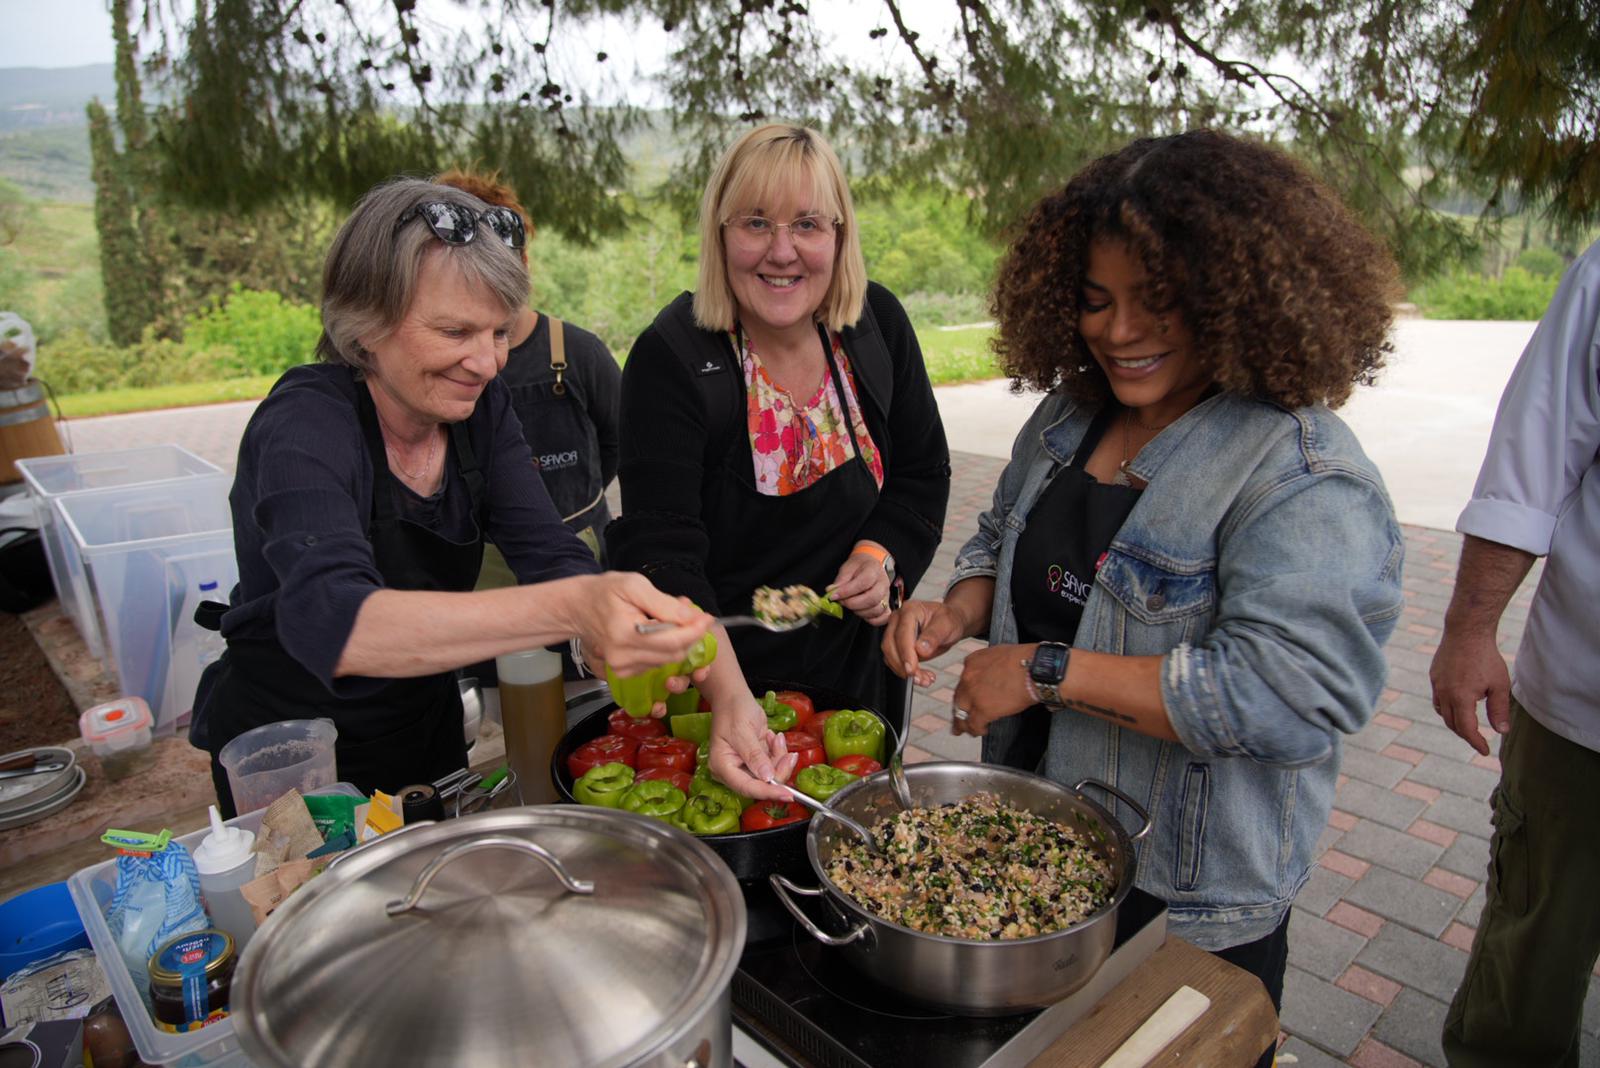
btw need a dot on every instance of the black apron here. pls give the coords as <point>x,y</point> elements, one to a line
<point>408,732</point>
<point>803,538</point>
<point>1069,529</point>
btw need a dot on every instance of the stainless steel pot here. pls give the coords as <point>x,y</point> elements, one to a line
<point>540,935</point>
<point>960,975</point>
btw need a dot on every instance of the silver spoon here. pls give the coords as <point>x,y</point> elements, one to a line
<point>832,813</point>
<point>897,764</point>
<point>776,626</point>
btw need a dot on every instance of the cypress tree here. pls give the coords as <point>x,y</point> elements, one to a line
<point>123,271</point>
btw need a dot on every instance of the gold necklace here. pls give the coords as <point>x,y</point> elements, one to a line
<point>1124,475</point>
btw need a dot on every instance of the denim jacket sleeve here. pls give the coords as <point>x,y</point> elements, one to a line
<point>1308,581</point>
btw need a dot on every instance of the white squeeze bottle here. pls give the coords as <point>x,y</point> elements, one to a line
<point>226,862</point>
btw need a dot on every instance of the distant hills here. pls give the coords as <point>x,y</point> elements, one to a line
<point>44,137</point>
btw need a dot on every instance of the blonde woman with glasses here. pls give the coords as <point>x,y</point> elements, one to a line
<point>778,428</point>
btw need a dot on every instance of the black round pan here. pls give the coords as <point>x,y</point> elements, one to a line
<point>753,855</point>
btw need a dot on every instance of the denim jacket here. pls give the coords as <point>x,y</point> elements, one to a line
<point>1263,563</point>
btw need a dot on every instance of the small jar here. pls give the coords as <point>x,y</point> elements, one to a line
<point>191,977</point>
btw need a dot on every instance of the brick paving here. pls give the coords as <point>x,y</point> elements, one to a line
<point>1380,931</point>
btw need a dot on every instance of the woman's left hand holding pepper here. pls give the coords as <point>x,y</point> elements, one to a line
<point>993,685</point>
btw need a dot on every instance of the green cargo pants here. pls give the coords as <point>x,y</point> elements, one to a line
<point>1520,1003</point>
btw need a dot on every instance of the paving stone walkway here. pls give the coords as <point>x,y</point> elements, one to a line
<point>1379,935</point>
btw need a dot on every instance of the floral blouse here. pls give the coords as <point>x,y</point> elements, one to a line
<point>793,443</point>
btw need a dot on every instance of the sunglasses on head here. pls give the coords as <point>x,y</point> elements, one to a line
<point>457,224</point>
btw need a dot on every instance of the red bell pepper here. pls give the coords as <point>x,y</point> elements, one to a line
<point>619,722</point>
<point>675,753</point>
<point>807,747</point>
<point>680,779</point>
<point>803,708</point>
<point>764,814</point>
<point>857,764</point>
<point>819,722</point>
<point>606,749</point>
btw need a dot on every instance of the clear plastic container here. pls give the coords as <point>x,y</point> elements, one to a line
<point>50,478</point>
<point>265,763</point>
<point>91,890</point>
<point>226,861</point>
<point>193,647</point>
<point>119,733</point>
<point>144,548</point>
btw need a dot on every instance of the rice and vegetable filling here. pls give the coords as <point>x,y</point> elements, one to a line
<point>976,869</point>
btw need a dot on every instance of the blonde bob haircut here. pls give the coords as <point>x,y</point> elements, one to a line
<point>761,168</point>
<point>371,274</point>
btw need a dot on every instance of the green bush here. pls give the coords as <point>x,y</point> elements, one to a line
<point>1542,261</point>
<point>1517,294</point>
<point>266,334</point>
<point>75,362</point>
<point>945,309</point>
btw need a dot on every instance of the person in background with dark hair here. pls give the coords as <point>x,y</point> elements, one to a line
<point>1190,568</point>
<point>565,389</point>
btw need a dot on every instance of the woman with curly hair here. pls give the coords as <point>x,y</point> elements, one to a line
<point>1190,568</point>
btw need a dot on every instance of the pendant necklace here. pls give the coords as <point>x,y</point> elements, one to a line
<point>1124,475</point>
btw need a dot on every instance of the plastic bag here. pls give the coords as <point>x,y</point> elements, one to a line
<point>16,351</point>
<point>157,897</point>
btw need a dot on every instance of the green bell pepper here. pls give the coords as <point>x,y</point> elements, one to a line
<point>638,694</point>
<point>685,703</point>
<point>653,797</point>
<point>853,731</point>
<point>822,781</point>
<point>780,717</point>
<point>709,813</point>
<point>706,783</point>
<point>603,785</point>
<point>696,726</point>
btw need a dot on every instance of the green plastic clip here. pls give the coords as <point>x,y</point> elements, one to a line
<point>137,841</point>
<point>493,779</point>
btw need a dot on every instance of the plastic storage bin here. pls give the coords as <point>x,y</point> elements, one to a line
<point>38,924</point>
<point>91,892</point>
<point>144,548</point>
<point>53,477</point>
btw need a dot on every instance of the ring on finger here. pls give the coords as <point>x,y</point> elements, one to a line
<point>960,715</point>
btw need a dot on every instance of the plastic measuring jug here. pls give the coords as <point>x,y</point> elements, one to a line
<point>265,763</point>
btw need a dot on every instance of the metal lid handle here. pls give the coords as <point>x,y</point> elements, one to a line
<point>495,841</point>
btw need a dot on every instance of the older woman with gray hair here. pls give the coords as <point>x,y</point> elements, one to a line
<point>366,486</point>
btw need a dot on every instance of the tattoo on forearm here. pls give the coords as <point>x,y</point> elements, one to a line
<point>1096,710</point>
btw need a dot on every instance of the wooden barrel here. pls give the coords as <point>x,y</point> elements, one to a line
<point>25,429</point>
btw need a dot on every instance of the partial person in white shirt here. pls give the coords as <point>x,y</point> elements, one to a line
<point>1538,494</point>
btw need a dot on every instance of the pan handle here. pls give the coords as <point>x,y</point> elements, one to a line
<point>783,887</point>
<point>1144,817</point>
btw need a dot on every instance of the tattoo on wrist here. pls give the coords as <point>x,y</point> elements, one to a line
<point>1097,710</point>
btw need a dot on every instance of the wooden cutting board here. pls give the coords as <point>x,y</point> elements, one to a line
<point>1233,1032</point>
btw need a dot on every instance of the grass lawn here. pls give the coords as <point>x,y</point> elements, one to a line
<point>116,401</point>
<point>952,356</point>
<point>957,355</point>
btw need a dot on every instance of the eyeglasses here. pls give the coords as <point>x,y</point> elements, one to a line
<point>757,231</point>
<point>457,224</point>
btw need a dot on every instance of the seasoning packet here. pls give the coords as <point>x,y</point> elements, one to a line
<point>266,892</point>
<point>333,814</point>
<point>287,833</point>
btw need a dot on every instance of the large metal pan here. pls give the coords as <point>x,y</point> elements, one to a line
<point>959,975</point>
<point>753,855</point>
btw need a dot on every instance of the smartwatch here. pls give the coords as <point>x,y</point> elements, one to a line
<point>1046,670</point>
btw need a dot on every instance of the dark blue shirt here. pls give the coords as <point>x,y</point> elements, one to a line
<point>302,501</point>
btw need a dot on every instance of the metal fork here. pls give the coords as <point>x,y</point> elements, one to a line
<point>775,626</point>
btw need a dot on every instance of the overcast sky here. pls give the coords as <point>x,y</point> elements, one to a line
<point>54,33</point>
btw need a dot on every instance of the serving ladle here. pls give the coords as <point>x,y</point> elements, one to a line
<point>834,814</point>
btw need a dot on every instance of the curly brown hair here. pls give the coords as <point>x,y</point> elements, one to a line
<point>1286,293</point>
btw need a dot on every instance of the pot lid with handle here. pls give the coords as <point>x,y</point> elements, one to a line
<point>606,947</point>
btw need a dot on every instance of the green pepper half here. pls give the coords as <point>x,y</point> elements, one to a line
<point>822,782</point>
<point>695,726</point>
<point>653,797</point>
<point>780,717</point>
<point>706,783</point>
<point>685,703</point>
<point>638,694</point>
<point>853,731</point>
<point>709,813</point>
<point>603,785</point>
